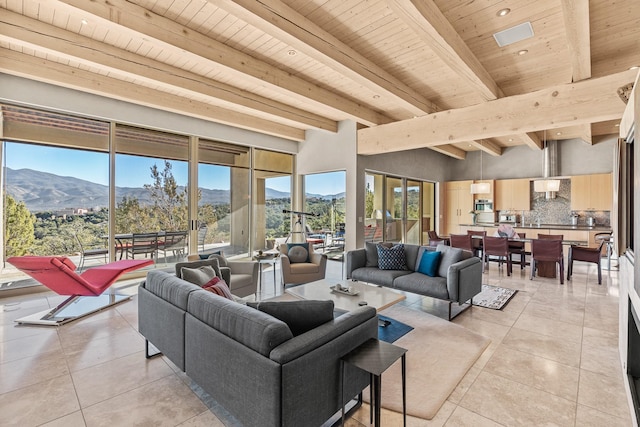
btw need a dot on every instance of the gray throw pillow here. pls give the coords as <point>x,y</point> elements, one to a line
<point>222,260</point>
<point>300,316</point>
<point>449,257</point>
<point>298,252</point>
<point>199,276</point>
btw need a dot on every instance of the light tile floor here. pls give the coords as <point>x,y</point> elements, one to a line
<point>553,360</point>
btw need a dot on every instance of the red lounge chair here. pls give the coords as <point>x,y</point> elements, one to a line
<point>85,290</point>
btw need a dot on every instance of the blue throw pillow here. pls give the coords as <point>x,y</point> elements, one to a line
<point>429,263</point>
<point>392,258</point>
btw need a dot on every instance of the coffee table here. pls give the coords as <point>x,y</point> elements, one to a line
<point>375,296</point>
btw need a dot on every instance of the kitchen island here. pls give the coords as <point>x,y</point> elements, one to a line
<point>570,232</point>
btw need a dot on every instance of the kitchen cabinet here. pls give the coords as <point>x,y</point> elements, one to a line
<point>512,195</point>
<point>458,202</point>
<point>591,192</point>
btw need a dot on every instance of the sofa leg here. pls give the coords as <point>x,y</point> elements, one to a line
<point>146,350</point>
<point>466,307</point>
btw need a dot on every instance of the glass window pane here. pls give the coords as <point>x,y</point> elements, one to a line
<point>56,201</point>
<point>374,207</point>
<point>412,226</point>
<point>325,197</point>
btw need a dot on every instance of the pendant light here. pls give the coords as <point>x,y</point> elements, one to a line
<point>546,185</point>
<point>481,187</point>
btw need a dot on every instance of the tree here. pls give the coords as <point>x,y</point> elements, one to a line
<point>19,229</point>
<point>169,202</point>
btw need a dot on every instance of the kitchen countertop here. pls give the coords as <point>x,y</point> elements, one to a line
<point>543,226</point>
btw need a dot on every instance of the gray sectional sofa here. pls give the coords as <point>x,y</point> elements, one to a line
<point>249,361</point>
<point>458,280</point>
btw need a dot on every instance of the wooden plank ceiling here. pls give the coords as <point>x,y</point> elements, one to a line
<point>412,73</point>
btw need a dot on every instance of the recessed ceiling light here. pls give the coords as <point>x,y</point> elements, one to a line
<point>523,52</point>
<point>558,133</point>
<point>84,22</point>
<point>503,12</point>
<point>617,125</point>
<point>292,52</point>
<point>635,67</point>
<point>510,139</point>
<point>514,34</point>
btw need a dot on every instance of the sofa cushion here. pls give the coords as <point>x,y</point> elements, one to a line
<point>391,258</point>
<point>429,263</point>
<point>300,316</point>
<point>298,252</point>
<point>422,284</point>
<point>377,276</point>
<point>252,328</point>
<point>199,275</point>
<point>449,256</point>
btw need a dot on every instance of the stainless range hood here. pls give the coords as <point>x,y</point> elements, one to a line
<point>549,169</point>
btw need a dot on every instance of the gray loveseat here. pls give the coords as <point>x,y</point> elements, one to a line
<point>459,276</point>
<point>249,361</point>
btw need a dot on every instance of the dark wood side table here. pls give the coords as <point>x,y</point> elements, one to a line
<point>375,357</point>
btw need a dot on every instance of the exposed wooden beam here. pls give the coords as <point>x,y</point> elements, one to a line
<point>532,140</point>
<point>184,41</point>
<point>575,14</point>
<point>488,147</point>
<point>21,30</point>
<point>43,70</point>
<point>279,20</point>
<point>426,20</point>
<point>585,133</point>
<point>451,151</point>
<point>562,105</point>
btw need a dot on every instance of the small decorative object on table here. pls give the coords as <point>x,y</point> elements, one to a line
<point>344,290</point>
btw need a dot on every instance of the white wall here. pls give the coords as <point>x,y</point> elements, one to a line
<point>324,151</point>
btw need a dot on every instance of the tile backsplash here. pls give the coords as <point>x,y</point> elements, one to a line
<point>558,210</point>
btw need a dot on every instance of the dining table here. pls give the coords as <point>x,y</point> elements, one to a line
<point>545,269</point>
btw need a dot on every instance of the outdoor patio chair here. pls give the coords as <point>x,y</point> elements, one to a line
<point>87,252</point>
<point>86,291</point>
<point>143,244</point>
<point>202,234</point>
<point>173,241</point>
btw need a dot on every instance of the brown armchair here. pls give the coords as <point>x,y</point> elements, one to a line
<point>585,254</point>
<point>302,272</point>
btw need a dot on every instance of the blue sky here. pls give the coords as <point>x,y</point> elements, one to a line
<point>134,171</point>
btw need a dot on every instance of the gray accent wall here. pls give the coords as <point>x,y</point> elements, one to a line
<point>575,157</point>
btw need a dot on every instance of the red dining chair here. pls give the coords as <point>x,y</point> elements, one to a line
<point>518,248</point>
<point>435,240</point>
<point>476,243</point>
<point>547,250</point>
<point>462,241</point>
<point>497,247</point>
<point>85,290</point>
<point>585,254</point>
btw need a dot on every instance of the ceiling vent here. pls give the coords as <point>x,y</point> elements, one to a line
<point>514,34</point>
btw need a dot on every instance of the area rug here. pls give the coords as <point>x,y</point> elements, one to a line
<point>394,329</point>
<point>493,297</point>
<point>439,355</point>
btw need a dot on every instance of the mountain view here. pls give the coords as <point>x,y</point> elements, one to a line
<point>42,191</point>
